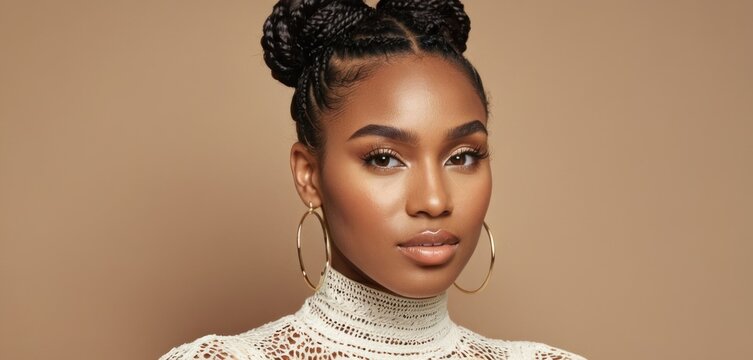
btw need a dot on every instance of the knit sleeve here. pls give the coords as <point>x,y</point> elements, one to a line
<point>540,351</point>
<point>214,347</point>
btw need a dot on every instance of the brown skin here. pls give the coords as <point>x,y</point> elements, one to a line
<point>373,204</point>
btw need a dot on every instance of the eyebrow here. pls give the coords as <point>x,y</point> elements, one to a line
<point>410,137</point>
<point>466,129</point>
<point>387,132</point>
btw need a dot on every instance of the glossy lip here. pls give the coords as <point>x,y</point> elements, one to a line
<point>430,247</point>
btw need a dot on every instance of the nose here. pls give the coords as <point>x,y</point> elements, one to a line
<point>428,194</point>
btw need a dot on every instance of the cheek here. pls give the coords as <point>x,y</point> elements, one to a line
<point>471,197</point>
<point>471,192</point>
<point>475,195</point>
<point>363,210</point>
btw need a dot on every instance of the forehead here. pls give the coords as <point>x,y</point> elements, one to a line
<point>425,94</point>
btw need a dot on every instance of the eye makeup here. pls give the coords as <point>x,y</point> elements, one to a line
<point>382,158</point>
<point>459,156</point>
<point>385,158</point>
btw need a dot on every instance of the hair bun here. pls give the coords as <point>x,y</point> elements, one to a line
<point>297,30</point>
<point>446,18</point>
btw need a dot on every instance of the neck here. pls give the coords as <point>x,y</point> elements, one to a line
<point>349,312</point>
<point>346,268</point>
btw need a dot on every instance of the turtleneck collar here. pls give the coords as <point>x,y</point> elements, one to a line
<point>349,312</point>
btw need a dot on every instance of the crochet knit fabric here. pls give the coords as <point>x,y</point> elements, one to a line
<point>347,320</point>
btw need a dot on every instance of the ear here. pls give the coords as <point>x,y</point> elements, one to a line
<point>305,168</point>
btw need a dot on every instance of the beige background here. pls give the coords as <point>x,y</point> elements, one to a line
<point>146,200</point>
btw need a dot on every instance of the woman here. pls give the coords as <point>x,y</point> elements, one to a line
<point>391,122</point>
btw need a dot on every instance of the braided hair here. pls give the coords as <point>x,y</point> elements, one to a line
<point>324,47</point>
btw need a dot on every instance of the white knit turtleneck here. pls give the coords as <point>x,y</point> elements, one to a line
<point>346,319</point>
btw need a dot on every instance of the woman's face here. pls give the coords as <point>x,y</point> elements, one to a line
<point>405,181</point>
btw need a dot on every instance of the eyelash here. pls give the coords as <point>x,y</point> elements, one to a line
<point>477,152</point>
<point>377,152</point>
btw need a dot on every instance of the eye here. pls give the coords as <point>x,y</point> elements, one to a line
<point>384,161</point>
<point>466,157</point>
<point>461,159</point>
<point>382,158</point>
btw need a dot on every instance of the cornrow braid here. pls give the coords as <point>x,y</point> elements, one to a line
<point>297,30</point>
<point>445,18</point>
<point>324,47</point>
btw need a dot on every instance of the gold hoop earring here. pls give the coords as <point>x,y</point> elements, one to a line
<point>327,251</point>
<point>491,265</point>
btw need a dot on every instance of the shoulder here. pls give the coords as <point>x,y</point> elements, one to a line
<point>214,347</point>
<point>537,350</point>
<point>245,346</point>
<point>519,350</point>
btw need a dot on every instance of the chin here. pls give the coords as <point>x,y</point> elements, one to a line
<point>422,282</point>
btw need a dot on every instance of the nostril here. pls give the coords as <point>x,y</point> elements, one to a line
<point>430,213</point>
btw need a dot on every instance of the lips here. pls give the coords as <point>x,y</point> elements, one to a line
<point>430,247</point>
